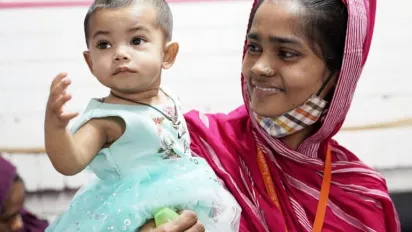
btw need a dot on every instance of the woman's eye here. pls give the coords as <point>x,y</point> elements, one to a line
<point>251,48</point>
<point>287,55</point>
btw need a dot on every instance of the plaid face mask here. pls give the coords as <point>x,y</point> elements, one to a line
<point>294,120</point>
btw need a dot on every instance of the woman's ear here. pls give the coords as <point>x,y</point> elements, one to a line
<point>170,53</point>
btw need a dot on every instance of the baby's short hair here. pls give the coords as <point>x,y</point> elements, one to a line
<point>164,14</point>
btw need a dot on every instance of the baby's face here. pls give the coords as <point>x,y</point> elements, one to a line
<point>126,48</point>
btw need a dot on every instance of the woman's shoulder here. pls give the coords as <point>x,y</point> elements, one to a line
<point>353,170</point>
<point>210,121</point>
<point>218,133</point>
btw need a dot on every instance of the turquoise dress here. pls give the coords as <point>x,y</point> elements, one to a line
<point>149,167</point>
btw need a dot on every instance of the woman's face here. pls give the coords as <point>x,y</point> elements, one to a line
<point>280,68</point>
<point>10,219</point>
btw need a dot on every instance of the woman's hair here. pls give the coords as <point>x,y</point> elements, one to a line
<point>17,178</point>
<point>323,23</point>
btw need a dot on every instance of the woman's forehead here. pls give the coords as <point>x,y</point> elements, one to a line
<point>278,19</point>
<point>286,7</point>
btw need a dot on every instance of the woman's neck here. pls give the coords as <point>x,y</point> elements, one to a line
<point>294,140</point>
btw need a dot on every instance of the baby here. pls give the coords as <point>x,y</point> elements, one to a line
<point>135,140</point>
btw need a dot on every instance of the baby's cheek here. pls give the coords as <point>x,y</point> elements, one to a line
<point>150,64</point>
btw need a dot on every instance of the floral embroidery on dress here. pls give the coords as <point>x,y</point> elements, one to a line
<point>186,146</point>
<point>172,114</point>
<point>170,111</point>
<point>181,130</point>
<point>158,121</point>
<point>167,145</point>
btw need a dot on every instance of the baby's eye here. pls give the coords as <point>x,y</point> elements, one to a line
<point>137,41</point>
<point>103,45</point>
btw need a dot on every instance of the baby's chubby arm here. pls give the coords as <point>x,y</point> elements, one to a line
<point>69,154</point>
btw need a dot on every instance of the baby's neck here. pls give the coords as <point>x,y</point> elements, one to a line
<point>152,97</point>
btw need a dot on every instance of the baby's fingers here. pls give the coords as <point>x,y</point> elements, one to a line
<point>68,116</point>
<point>59,89</point>
<point>57,105</point>
<point>57,79</point>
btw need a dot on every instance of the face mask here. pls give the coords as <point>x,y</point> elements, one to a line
<point>294,120</point>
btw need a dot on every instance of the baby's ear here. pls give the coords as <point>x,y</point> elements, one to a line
<point>170,53</point>
<point>88,59</point>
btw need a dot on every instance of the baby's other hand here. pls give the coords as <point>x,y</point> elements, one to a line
<point>57,98</point>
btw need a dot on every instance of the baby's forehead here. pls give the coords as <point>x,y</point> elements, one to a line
<point>124,18</point>
<point>136,13</point>
<point>149,13</point>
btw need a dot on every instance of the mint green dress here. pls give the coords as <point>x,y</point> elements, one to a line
<point>149,167</point>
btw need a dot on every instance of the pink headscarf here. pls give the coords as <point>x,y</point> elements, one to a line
<point>7,176</point>
<point>358,199</point>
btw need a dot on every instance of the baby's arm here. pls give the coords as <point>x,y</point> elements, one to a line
<point>69,153</point>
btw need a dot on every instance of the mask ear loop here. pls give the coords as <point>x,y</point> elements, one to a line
<point>324,84</point>
<point>325,111</point>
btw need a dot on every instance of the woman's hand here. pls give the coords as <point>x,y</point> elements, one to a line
<point>187,222</point>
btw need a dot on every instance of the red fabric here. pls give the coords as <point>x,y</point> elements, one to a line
<point>358,199</point>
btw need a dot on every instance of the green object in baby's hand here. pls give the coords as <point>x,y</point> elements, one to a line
<point>165,215</point>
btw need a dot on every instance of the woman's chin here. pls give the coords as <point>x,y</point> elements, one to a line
<point>264,110</point>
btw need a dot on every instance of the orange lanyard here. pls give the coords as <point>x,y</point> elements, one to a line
<point>324,192</point>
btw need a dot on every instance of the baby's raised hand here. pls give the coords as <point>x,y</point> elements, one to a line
<point>57,98</point>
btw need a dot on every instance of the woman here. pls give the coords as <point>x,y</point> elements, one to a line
<point>302,60</point>
<point>12,215</point>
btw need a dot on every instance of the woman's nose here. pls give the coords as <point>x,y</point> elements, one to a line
<point>16,224</point>
<point>262,68</point>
